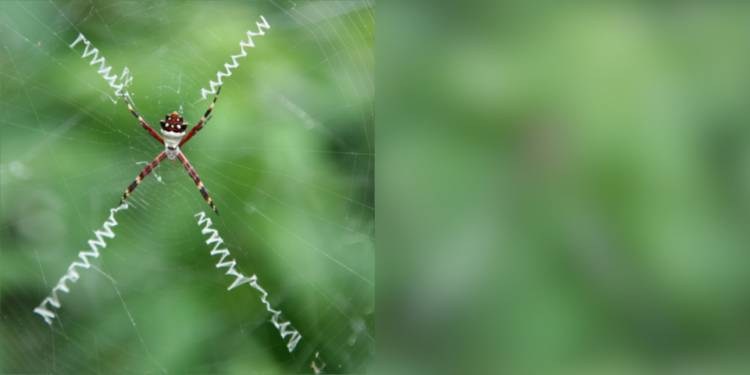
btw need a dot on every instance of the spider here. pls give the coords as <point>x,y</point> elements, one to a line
<point>173,129</point>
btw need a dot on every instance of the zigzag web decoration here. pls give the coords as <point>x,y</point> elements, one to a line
<point>72,275</point>
<point>213,85</point>
<point>285,328</point>
<point>105,71</point>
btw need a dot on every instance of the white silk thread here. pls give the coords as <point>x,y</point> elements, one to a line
<point>105,71</point>
<point>53,300</point>
<point>213,85</point>
<point>285,328</point>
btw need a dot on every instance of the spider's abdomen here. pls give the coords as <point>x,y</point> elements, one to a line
<point>172,152</point>
<point>171,143</point>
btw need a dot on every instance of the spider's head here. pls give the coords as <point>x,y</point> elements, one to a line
<point>173,123</point>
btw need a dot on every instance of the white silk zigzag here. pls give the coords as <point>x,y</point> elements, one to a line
<point>285,328</point>
<point>72,275</point>
<point>227,66</point>
<point>105,71</point>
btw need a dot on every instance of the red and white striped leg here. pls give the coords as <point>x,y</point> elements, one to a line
<point>194,175</point>
<point>145,172</point>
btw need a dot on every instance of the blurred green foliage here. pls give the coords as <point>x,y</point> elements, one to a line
<point>288,158</point>
<point>575,175</point>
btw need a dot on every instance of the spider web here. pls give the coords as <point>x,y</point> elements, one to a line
<point>288,158</point>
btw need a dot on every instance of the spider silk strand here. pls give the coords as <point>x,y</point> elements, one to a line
<point>53,300</point>
<point>105,71</point>
<point>285,328</point>
<point>213,85</point>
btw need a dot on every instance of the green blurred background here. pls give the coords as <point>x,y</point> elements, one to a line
<point>288,158</point>
<point>565,187</point>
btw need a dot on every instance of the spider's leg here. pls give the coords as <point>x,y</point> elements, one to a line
<point>143,122</point>
<point>202,121</point>
<point>194,175</point>
<point>145,172</point>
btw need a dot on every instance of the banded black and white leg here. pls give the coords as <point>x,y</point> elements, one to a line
<point>141,120</point>
<point>145,172</point>
<point>198,183</point>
